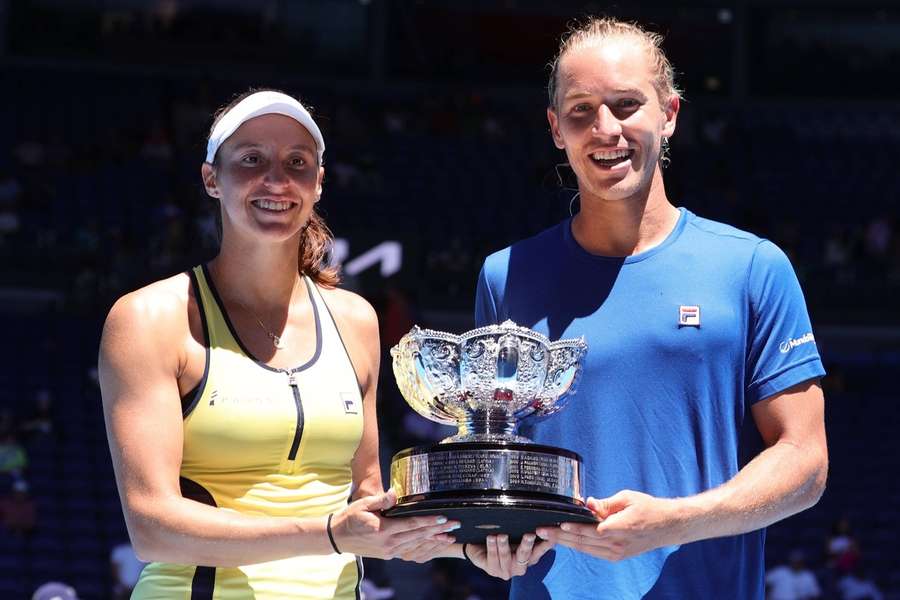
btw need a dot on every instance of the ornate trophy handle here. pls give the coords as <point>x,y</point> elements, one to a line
<point>563,375</point>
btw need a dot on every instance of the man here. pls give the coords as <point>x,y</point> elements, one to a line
<point>693,328</point>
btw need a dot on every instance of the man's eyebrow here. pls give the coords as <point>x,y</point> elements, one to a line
<point>618,91</point>
<point>630,91</point>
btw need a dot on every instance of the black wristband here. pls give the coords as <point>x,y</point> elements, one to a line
<point>465,554</point>
<point>331,535</point>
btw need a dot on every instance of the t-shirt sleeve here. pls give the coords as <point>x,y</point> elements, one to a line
<point>485,303</point>
<point>782,349</point>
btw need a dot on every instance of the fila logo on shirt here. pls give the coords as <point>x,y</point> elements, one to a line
<point>688,316</point>
<point>348,401</point>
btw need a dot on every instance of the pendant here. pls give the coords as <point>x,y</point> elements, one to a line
<point>278,343</point>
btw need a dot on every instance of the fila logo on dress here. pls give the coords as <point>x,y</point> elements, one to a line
<point>348,399</point>
<point>688,316</point>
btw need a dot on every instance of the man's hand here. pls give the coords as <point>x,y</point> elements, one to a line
<point>630,523</point>
<point>497,559</point>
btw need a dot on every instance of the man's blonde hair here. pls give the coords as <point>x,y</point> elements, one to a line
<point>595,29</point>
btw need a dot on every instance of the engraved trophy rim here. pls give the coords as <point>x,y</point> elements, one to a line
<point>507,326</point>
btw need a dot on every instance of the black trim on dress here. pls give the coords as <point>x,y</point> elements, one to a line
<point>190,400</point>
<point>203,584</point>
<point>341,338</point>
<point>237,339</point>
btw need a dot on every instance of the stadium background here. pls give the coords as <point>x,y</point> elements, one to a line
<point>438,153</point>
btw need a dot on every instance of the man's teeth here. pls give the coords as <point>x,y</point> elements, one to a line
<point>611,154</point>
<point>270,205</point>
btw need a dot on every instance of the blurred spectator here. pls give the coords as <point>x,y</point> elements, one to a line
<point>157,144</point>
<point>347,175</point>
<point>126,569</point>
<point>841,549</point>
<point>855,586</point>
<point>55,590</point>
<point>448,266</point>
<point>793,581</point>
<point>878,237</point>
<point>17,512</point>
<point>395,121</point>
<point>13,458</point>
<point>10,192</point>
<point>30,153</point>
<point>40,423</point>
<point>396,314</point>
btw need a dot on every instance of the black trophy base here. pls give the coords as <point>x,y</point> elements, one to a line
<point>495,514</point>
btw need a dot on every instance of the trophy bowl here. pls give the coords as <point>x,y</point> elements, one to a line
<point>487,476</point>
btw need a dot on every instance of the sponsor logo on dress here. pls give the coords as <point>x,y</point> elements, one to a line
<point>792,343</point>
<point>348,400</point>
<point>217,399</point>
<point>689,316</point>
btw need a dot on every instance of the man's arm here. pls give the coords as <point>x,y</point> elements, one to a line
<point>785,478</point>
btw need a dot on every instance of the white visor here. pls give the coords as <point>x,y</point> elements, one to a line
<point>262,103</point>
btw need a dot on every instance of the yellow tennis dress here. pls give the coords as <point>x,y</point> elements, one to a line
<point>265,441</point>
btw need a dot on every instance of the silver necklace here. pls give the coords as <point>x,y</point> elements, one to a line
<point>277,340</point>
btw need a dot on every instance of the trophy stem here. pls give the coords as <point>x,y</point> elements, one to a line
<point>489,424</point>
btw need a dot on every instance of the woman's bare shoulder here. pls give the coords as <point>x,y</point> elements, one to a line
<point>158,308</point>
<point>351,308</point>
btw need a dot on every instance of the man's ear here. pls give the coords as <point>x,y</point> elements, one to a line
<point>554,129</point>
<point>671,111</point>
<point>208,174</point>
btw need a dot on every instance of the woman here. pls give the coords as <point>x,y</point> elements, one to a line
<point>240,397</point>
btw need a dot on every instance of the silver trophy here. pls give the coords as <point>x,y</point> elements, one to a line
<point>490,478</point>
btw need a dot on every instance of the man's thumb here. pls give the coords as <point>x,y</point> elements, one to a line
<point>607,506</point>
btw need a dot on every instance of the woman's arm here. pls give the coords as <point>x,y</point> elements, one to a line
<point>142,354</point>
<point>358,325</point>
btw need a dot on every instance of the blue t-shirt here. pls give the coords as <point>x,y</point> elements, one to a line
<point>682,340</point>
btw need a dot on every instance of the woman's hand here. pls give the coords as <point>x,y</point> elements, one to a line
<point>496,558</point>
<point>362,530</point>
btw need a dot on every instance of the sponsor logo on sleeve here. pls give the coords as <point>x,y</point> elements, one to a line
<point>788,345</point>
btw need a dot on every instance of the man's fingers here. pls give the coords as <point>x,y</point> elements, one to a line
<point>493,555</point>
<point>605,507</point>
<point>540,550</point>
<point>522,557</point>
<point>549,533</point>
<point>584,543</point>
<point>585,529</point>
<point>523,552</point>
<point>504,555</point>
